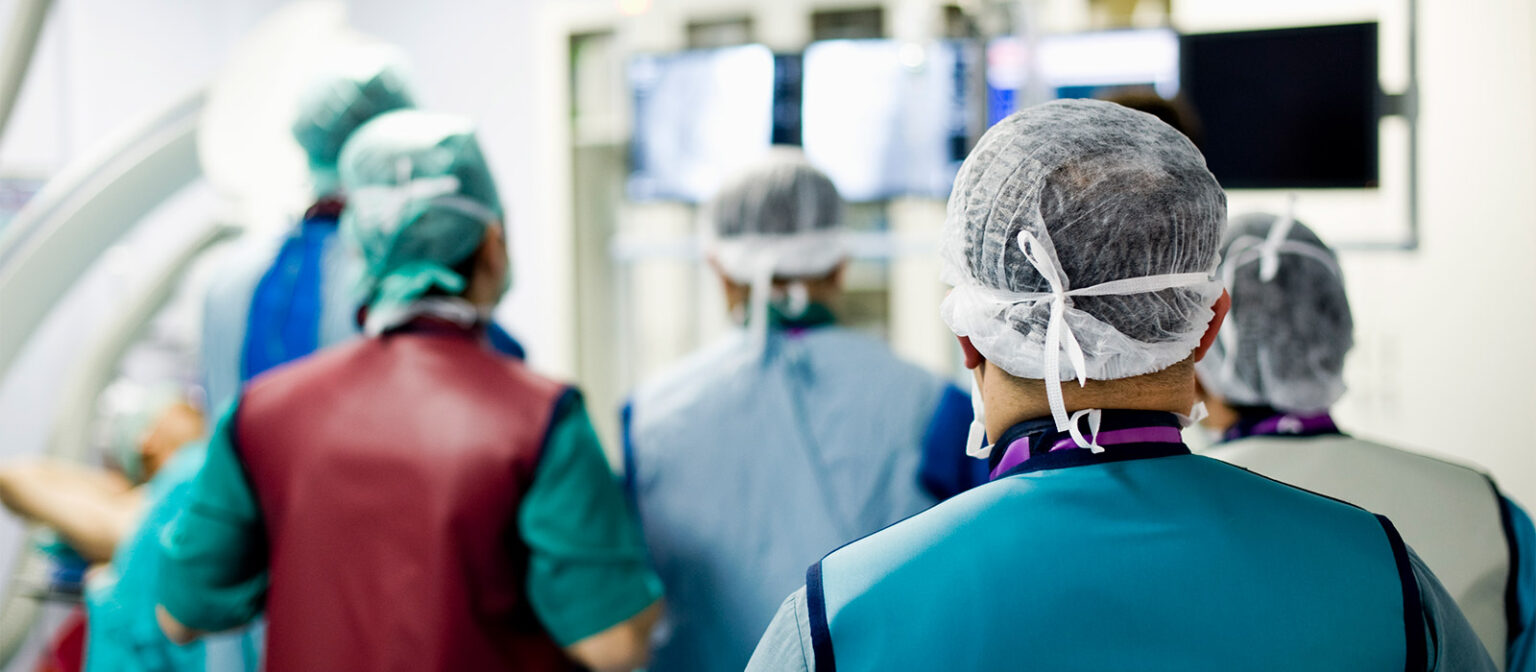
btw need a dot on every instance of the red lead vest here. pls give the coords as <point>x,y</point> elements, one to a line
<point>389,472</point>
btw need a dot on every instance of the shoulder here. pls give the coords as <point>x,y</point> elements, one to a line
<point>1353,453</point>
<point>915,536</point>
<point>1254,484</point>
<point>696,377</point>
<point>178,473</point>
<point>858,349</point>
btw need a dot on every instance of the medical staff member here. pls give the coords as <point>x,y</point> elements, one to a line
<point>1276,369</point>
<point>269,305</point>
<point>114,520</point>
<point>276,301</point>
<point>414,500</point>
<point>1082,241</point>
<point>791,437</point>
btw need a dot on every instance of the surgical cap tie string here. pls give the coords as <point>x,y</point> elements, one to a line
<point>1058,333</point>
<point>1269,252</point>
<point>761,289</point>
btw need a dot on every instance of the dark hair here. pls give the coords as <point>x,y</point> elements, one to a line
<point>465,268</point>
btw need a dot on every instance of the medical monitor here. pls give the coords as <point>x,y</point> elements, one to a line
<point>699,116</point>
<point>887,118</point>
<point>1286,109</point>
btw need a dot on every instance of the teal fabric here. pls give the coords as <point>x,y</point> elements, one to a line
<point>814,315</point>
<point>213,571</point>
<point>1522,645</point>
<point>588,569</point>
<point>120,604</point>
<point>122,634</point>
<point>1182,562</point>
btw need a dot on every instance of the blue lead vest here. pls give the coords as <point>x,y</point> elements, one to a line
<point>1140,557</point>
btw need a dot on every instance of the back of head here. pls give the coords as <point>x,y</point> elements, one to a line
<point>1284,341</point>
<point>419,198</point>
<point>781,216</point>
<point>362,84</point>
<point>781,212</point>
<point>1061,198</point>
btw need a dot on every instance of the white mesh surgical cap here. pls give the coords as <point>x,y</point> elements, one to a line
<point>1081,241</point>
<point>1284,341</point>
<point>781,218</point>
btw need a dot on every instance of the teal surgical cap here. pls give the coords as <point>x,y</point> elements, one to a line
<point>419,198</point>
<point>359,86</point>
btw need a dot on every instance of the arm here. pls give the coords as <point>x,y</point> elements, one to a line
<point>786,646</point>
<point>588,577</point>
<point>1453,645</point>
<point>1522,607</point>
<point>91,510</point>
<point>621,648</point>
<point>213,573</point>
<point>947,471</point>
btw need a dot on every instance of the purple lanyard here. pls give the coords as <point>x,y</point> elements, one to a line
<point>1283,425</point>
<point>1018,451</point>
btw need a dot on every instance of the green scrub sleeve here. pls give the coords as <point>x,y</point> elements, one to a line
<point>588,569</point>
<point>213,573</point>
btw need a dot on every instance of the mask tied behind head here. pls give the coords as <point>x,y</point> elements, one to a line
<point>976,442</point>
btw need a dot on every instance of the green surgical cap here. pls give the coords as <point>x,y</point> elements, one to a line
<point>419,198</point>
<point>358,87</point>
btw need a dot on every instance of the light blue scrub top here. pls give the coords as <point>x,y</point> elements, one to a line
<point>748,464</point>
<point>227,308</point>
<point>122,633</point>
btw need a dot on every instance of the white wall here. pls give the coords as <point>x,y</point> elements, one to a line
<point>480,59</point>
<point>1445,360</point>
<point>102,62</point>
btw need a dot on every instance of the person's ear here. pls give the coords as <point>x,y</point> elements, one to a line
<point>493,251</point>
<point>1221,307</point>
<point>835,278</point>
<point>973,358</point>
<point>735,293</point>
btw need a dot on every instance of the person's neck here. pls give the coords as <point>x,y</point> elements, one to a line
<point>1025,400</point>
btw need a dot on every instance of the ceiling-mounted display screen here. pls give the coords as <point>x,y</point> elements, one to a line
<point>698,116</point>
<point>1294,108</point>
<point>886,118</point>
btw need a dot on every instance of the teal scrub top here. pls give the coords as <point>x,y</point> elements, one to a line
<point>587,569</point>
<point>122,634</point>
